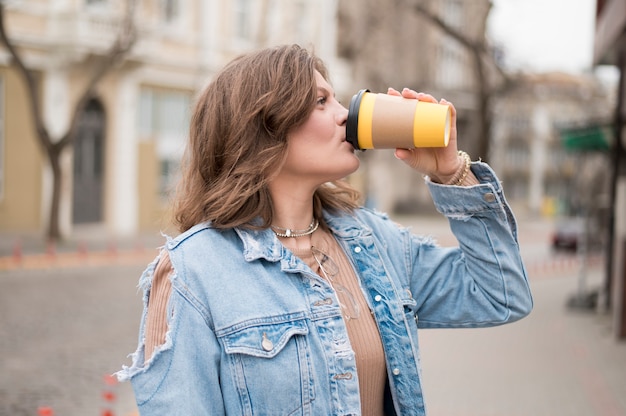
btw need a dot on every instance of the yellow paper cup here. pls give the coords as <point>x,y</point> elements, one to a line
<point>382,121</point>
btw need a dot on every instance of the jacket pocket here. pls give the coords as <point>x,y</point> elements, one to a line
<point>271,367</point>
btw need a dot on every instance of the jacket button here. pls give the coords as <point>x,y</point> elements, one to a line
<point>357,249</point>
<point>489,197</point>
<point>396,371</point>
<point>266,343</point>
<point>378,298</point>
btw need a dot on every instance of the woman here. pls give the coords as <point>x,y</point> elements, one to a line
<point>282,296</point>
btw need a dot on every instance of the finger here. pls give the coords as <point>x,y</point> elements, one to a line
<point>426,97</point>
<point>403,154</point>
<point>409,93</point>
<point>400,153</point>
<point>408,157</point>
<point>392,91</point>
<point>446,102</point>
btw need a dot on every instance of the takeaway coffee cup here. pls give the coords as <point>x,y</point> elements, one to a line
<point>382,121</point>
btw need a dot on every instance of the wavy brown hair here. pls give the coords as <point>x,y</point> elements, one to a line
<point>238,140</point>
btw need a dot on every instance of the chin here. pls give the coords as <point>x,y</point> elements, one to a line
<point>342,173</point>
<point>354,166</point>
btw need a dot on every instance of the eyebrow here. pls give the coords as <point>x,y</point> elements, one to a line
<point>324,90</point>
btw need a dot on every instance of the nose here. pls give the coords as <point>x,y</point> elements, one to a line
<point>342,116</point>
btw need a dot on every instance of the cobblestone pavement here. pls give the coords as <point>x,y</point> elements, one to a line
<point>62,330</point>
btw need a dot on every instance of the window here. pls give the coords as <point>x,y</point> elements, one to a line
<point>164,119</point>
<point>451,71</point>
<point>452,13</point>
<point>170,10</point>
<point>303,24</point>
<point>242,13</point>
<point>2,167</point>
<point>518,156</point>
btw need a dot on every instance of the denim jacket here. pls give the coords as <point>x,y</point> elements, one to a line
<point>254,331</point>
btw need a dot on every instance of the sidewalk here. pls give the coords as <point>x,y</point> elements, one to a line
<point>555,362</point>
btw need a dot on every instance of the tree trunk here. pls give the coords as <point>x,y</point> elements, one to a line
<point>53,232</point>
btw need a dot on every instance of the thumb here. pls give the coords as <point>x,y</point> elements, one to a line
<point>402,154</point>
<point>407,156</point>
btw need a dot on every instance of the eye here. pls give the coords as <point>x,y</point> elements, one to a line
<point>321,100</point>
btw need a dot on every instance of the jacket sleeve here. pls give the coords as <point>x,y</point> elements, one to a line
<point>182,376</point>
<point>483,282</point>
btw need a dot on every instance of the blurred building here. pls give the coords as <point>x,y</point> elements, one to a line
<point>132,132</point>
<point>610,49</point>
<point>541,172</point>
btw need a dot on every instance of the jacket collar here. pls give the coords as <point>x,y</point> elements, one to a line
<point>264,243</point>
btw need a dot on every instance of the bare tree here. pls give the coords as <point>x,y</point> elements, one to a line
<point>54,147</point>
<point>483,60</point>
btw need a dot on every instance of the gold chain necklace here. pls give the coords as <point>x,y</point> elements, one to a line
<point>289,233</point>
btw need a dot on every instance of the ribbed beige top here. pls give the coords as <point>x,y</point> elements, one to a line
<point>156,319</point>
<point>362,331</point>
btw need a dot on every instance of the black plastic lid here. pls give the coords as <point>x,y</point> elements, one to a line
<point>352,132</point>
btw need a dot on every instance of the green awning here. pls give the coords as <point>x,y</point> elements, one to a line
<point>591,138</point>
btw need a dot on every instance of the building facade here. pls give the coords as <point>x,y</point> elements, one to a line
<point>542,175</point>
<point>123,163</point>
<point>610,49</point>
<point>119,173</point>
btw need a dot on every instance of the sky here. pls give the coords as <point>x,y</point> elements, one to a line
<point>544,35</point>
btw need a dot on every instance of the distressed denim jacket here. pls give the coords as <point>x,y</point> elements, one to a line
<point>254,331</point>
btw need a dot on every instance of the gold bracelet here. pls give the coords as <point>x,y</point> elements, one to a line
<point>461,173</point>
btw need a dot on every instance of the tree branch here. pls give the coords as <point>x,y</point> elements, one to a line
<point>478,46</point>
<point>122,45</point>
<point>31,85</point>
<point>437,21</point>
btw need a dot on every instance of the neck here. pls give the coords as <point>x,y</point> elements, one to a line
<point>293,206</point>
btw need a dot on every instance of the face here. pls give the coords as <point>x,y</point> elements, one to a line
<point>317,151</point>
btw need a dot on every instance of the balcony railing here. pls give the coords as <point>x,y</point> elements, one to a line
<point>83,30</point>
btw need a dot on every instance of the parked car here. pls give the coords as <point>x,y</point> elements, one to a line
<point>568,234</point>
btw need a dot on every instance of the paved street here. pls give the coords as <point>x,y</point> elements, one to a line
<point>67,322</point>
<point>556,362</point>
<point>61,332</point>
